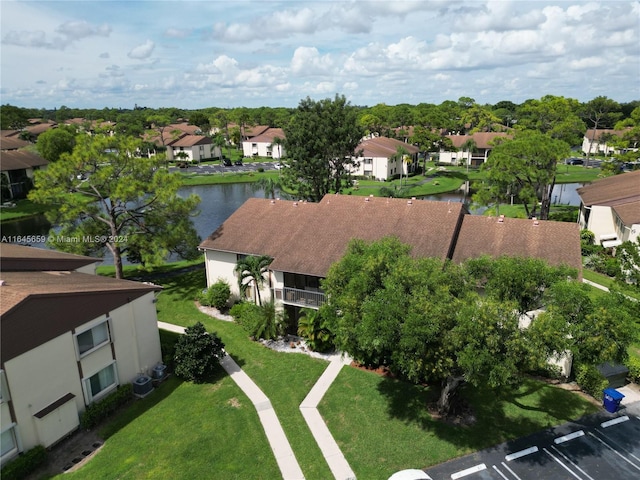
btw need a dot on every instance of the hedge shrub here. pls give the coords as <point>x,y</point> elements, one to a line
<point>25,464</point>
<point>217,295</point>
<point>98,411</point>
<point>634,369</point>
<point>591,380</point>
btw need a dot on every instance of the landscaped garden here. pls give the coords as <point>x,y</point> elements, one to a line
<point>211,430</point>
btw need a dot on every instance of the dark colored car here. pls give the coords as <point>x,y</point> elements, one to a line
<point>238,163</point>
<point>226,162</point>
<point>575,161</point>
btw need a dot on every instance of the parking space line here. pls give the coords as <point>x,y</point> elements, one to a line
<point>521,453</point>
<point>511,471</point>
<point>566,438</point>
<point>500,473</point>
<point>617,445</point>
<point>615,421</point>
<point>615,451</point>
<point>468,471</point>
<point>573,464</point>
<point>561,464</point>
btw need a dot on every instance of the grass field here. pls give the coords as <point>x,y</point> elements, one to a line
<point>382,425</point>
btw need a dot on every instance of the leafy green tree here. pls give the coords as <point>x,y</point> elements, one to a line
<point>321,142</point>
<point>519,280</point>
<point>56,141</point>
<point>269,185</point>
<point>629,256</point>
<point>201,120</point>
<point>524,166</point>
<point>251,272</point>
<point>197,354</point>
<point>13,118</point>
<point>423,320</point>
<point>595,331</point>
<point>558,117</point>
<point>108,198</point>
<point>601,112</point>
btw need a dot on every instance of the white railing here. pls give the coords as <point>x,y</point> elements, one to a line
<point>301,298</point>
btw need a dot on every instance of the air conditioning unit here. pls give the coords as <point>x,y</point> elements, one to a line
<point>142,386</point>
<point>159,371</point>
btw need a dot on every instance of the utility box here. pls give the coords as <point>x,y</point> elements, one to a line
<point>142,386</point>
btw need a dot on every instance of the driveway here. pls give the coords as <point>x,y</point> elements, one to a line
<point>600,446</point>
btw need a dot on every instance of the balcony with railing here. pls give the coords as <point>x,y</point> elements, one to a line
<point>300,298</point>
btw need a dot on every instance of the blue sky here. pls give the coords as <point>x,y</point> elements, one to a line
<point>197,54</point>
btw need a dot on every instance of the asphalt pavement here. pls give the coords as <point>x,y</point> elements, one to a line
<point>209,168</point>
<point>600,446</point>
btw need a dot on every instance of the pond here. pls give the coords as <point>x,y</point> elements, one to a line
<point>218,202</point>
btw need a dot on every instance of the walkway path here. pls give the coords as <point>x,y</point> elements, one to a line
<point>330,449</point>
<point>275,434</point>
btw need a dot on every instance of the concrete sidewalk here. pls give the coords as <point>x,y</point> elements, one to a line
<point>330,449</point>
<point>278,441</point>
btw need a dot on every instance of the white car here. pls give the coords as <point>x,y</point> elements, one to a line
<point>278,166</point>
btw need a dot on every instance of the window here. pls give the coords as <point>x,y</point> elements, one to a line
<point>98,384</point>
<point>8,441</point>
<point>93,338</point>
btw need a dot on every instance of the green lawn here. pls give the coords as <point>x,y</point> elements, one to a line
<point>184,430</point>
<point>382,425</point>
<point>24,208</point>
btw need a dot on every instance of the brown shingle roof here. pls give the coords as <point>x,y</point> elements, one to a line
<point>629,213</point>
<point>556,242</point>
<point>268,135</point>
<point>12,143</point>
<point>38,306</point>
<point>191,140</point>
<point>19,159</point>
<point>482,139</point>
<point>600,131</point>
<point>22,258</point>
<point>308,237</point>
<point>384,147</point>
<point>612,191</point>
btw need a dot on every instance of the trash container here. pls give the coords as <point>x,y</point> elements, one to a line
<point>611,399</point>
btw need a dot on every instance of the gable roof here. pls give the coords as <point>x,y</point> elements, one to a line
<point>12,143</point>
<point>597,133</point>
<point>556,242</point>
<point>191,141</point>
<point>308,238</point>
<point>384,147</point>
<point>22,258</point>
<point>39,306</point>
<point>267,136</point>
<point>20,159</point>
<point>482,139</point>
<point>621,192</point>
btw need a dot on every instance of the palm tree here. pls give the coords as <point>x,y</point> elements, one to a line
<point>269,185</point>
<point>279,142</point>
<point>251,271</point>
<point>401,154</point>
<point>470,146</point>
<point>219,141</point>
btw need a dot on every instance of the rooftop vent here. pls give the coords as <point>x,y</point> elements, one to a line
<point>295,204</point>
<point>501,219</point>
<point>273,202</point>
<point>535,221</point>
<point>409,202</point>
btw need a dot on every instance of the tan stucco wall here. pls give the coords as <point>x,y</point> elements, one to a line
<point>45,374</point>
<point>40,377</point>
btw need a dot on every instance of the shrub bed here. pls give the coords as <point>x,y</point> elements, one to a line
<point>98,411</point>
<point>25,464</point>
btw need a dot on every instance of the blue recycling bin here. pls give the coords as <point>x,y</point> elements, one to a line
<point>611,399</point>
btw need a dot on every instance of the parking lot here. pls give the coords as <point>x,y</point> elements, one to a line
<point>601,446</point>
<point>218,168</point>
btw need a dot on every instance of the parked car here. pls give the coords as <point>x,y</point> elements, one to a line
<point>574,161</point>
<point>226,162</point>
<point>238,163</point>
<point>278,166</point>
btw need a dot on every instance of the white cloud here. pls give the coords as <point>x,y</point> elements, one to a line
<point>308,61</point>
<point>143,51</point>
